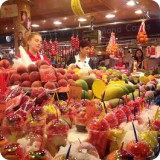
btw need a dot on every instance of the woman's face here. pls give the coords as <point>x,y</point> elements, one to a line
<point>35,44</point>
<point>24,16</point>
<point>138,54</point>
<point>85,51</point>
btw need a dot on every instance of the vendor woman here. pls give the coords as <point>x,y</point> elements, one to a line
<point>34,46</point>
<point>142,64</point>
<point>82,60</point>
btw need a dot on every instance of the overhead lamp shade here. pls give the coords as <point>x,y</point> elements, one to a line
<point>1,2</point>
<point>157,1</point>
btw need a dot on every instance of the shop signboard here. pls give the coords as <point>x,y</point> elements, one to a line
<point>8,11</point>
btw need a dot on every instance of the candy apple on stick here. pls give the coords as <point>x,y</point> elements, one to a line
<point>139,149</point>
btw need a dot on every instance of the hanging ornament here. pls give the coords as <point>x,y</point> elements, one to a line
<point>51,50</point>
<point>142,37</point>
<point>112,48</point>
<point>77,43</point>
<point>55,43</point>
<point>73,42</point>
<point>45,46</point>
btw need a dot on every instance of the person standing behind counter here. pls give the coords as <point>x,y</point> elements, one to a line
<point>34,46</point>
<point>82,60</point>
<point>142,64</point>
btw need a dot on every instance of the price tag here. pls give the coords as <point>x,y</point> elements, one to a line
<point>75,91</point>
<point>47,74</point>
<point>2,110</point>
<point>91,111</point>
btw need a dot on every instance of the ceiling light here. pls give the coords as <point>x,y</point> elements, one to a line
<point>65,18</point>
<point>44,31</point>
<point>138,11</point>
<point>2,1</point>
<point>57,22</point>
<point>131,3</point>
<point>82,19</point>
<point>35,25</point>
<point>110,16</point>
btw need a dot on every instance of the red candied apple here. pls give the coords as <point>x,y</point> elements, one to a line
<point>5,63</point>
<point>140,150</point>
<point>26,84</point>
<point>68,75</point>
<point>13,151</point>
<point>42,62</point>
<point>22,69</point>
<point>120,154</point>
<point>75,77</point>
<point>32,67</point>
<point>36,84</point>
<point>15,77</point>
<point>61,70</point>
<point>62,83</point>
<point>25,77</point>
<point>34,76</point>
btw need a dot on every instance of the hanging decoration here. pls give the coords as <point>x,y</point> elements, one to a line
<point>55,43</point>
<point>45,46</point>
<point>112,48</point>
<point>73,42</point>
<point>77,43</point>
<point>142,37</point>
<point>51,50</point>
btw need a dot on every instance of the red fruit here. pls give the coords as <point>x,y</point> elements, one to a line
<point>32,67</point>
<point>21,69</point>
<point>5,63</point>
<point>75,77</point>
<point>61,70</point>
<point>36,84</point>
<point>71,72</point>
<point>35,92</point>
<point>121,116</point>
<point>17,83</point>
<point>62,83</point>
<point>156,125</point>
<point>44,66</point>
<point>25,77</point>
<point>50,85</point>
<point>61,77</point>
<point>26,84</point>
<point>15,77</point>
<point>111,119</point>
<point>69,76</point>
<point>140,150</point>
<point>34,76</point>
<point>70,81</point>
<point>42,62</point>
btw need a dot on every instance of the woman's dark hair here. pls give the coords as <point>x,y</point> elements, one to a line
<point>84,43</point>
<point>135,55</point>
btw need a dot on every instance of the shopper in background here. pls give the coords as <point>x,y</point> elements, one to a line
<point>142,64</point>
<point>82,60</point>
<point>34,46</point>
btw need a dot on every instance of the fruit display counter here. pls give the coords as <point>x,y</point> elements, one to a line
<point>111,119</point>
